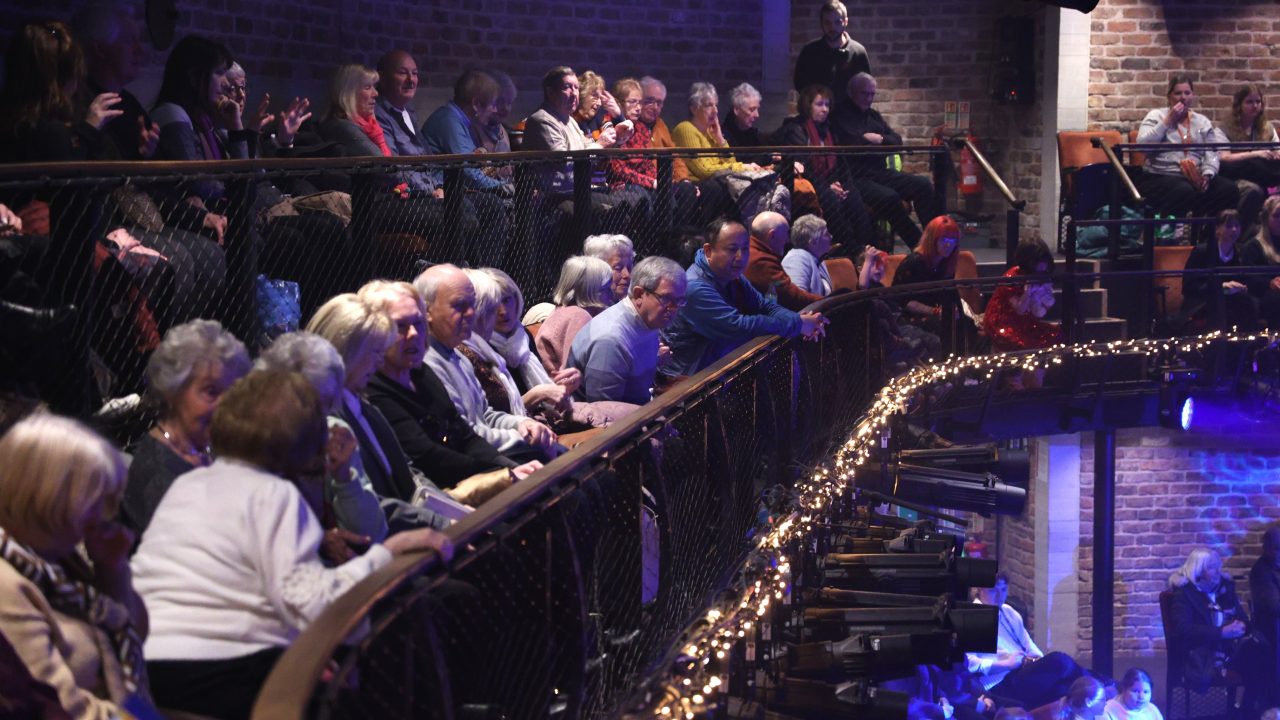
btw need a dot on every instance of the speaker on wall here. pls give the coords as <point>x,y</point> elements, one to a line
<point>1014,78</point>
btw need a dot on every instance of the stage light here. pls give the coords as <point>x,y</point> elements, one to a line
<point>1188,412</point>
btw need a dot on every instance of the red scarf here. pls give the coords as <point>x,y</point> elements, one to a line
<point>822,165</point>
<point>369,126</point>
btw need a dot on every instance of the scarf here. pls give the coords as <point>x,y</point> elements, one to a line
<point>515,350</point>
<point>491,371</point>
<point>208,137</point>
<point>823,165</point>
<point>113,628</point>
<point>370,127</point>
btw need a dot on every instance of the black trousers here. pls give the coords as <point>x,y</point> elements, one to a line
<point>1175,195</point>
<point>1039,682</point>
<point>216,688</point>
<point>883,192</point>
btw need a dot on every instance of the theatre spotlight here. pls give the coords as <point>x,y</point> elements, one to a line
<point>1177,409</point>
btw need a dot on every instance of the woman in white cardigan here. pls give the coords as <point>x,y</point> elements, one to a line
<point>230,568</point>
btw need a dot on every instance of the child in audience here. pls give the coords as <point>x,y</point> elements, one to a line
<point>1083,701</point>
<point>1134,700</point>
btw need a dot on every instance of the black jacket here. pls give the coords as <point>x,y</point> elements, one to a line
<point>849,123</point>
<point>1195,634</point>
<point>435,437</point>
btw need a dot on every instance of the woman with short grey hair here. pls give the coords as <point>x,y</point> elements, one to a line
<point>619,252</point>
<point>739,124</point>
<point>585,288</point>
<point>347,490</point>
<point>186,376</point>
<point>702,130</point>
<point>810,241</point>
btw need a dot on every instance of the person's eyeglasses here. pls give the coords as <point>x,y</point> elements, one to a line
<point>238,89</point>
<point>668,300</point>
<point>631,102</point>
<point>652,101</point>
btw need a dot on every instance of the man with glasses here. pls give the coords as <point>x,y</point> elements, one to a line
<point>617,352</point>
<point>769,235</point>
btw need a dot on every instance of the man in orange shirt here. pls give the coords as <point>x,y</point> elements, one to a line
<point>769,235</point>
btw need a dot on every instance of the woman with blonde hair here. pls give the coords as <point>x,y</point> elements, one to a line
<point>1249,124</point>
<point>73,618</point>
<point>1263,249</point>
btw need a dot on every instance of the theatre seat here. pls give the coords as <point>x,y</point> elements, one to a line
<point>844,274</point>
<point>1171,257</point>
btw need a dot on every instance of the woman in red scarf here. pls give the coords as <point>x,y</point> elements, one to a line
<point>841,204</point>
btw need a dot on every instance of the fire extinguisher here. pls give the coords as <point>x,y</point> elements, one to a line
<point>970,180</point>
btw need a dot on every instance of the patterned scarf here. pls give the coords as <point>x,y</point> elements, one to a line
<point>110,619</point>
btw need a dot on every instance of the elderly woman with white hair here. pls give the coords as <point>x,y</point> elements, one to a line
<point>186,376</point>
<point>585,288</point>
<point>512,341</point>
<point>739,124</point>
<point>552,400</point>
<point>345,486</point>
<point>230,569</point>
<point>1208,621</point>
<point>702,130</point>
<point>619,253</point>
<point>73,619</point>
<point>810,241</point>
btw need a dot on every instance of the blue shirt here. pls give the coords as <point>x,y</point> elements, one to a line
<point>448,132</point>
<point>720,317</point>
<point>403,140</point>
<point>617,354</point>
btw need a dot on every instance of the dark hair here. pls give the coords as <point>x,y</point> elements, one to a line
<point>42,61</point>
<point>552,79</point>
<point>809,94</point>
<point>1031,253</point>
<point>188,69</point>
<point>1227,216</point>
<point>833,6</point>
<point>1082,693</point>
<point>475,85</point>
<point>717,226</point>
<point>271,419</point>
<point>1177,79</point>
<point>1133,675</point>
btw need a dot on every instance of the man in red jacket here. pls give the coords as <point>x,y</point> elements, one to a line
<point>770,233</point>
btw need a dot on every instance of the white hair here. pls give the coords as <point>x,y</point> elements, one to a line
<point>743,94</point>
<point>649,81</point>
<point>651,271</point>
<point>312,356</point>
<point>606,246</point>
<point>805,229</point>
<point>702,94</point>
<point>186,347</point>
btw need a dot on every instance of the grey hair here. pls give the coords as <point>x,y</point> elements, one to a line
<point>99,22</point>
<point>186,347</point>
<point>702,94</point>
<point>488,293</point>
<point>312,356</point>
<point>860,79</point>
<point>743,94</point>
<point>582,279</point>
<point>429,281</point>
<point>651,271</point>
<point>604,246</point>
<point>650,81</point>
<point>507,285</point>
<point>805,229</point>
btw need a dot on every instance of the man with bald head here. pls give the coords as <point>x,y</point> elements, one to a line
<point>770,233</point>
<point>451,308</point>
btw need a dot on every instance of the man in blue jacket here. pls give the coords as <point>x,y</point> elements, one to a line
<point>454,127</point>
<point>724,310</point>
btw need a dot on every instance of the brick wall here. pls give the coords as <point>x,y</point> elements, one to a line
<point>1018,552</point>
<point>1175,491</point>
<point>295,47</point>
<point>1138,43</point>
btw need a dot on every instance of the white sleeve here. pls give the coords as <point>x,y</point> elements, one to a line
<point>1023,635</point>
<point>287,540</point>
<point>979,663</point>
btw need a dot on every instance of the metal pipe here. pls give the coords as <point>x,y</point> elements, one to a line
<point>992,174</point>
<point>1116,165</point>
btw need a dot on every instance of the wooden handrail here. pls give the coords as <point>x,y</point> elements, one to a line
<point>1118,167</point>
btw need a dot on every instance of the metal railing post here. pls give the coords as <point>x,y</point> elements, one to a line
<point>1011,234</point>
<point>581,199</point>
<point>1070,289</point>
<point>452,235</point>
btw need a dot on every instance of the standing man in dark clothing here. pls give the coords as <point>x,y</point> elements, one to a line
<point>833,58</point>
<point>1264,593</point>
<point>883,189</point>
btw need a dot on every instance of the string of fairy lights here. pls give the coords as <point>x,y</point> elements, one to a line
<point>697,679</point>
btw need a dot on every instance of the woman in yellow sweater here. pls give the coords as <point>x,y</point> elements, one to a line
<point>702,130</point>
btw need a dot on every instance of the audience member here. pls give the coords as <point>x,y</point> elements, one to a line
<point>194,103</point>
<point>1177,182</point>
<point>451,303</point>
<point>883,188</point>
<point>218,627</point>
<point>596,107</point>
<point>739,124</point>
<point>1134,700</point>
<point>833,58</point>
<point>1084,700</point>
<point>1264,249</point>
<point>618,351</point>
<point>1208,622</point>
<point>933,259</point>
<point>618,252</point>
<point>511,340</point>
<point>702,130</point>
<point>1200,292</point>
<point>114,58</point>
<point>769,236</point>
<point>494,136</point>
<point>638,171</point>
<point>347,493</point>
<point>584,290</point>
<point>810,243</point>
<point>1264,598</point>
<point>723,309</point>
<point>1258,169</point>
<point>73,618</point>
<point>1014,318</point>
<point>397,85</point>
<point>455,127</point>
<point>552,127</point>
<point>1019,671</point>
<point>186,377</point>
<point>840,201</point>
<point>904,343</point>
<point>417,405</point>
